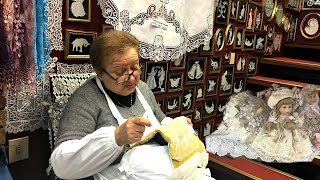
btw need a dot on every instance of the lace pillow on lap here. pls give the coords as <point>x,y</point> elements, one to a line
<point>62,87</point>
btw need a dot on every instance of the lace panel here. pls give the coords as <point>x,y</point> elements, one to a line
<point>54,24</point>
<point>173,27</point>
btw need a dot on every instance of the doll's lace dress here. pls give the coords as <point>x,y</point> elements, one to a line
<point>282,144</point>
<point>243,119</point>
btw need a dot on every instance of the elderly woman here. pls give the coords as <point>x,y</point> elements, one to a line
<point>107,114</point>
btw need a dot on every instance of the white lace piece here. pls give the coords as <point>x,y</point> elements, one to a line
<point>63,68</point>
<point>223,145</point>
<point>54,24</point>
<point>174,27</point>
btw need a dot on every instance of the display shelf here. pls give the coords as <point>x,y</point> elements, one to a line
<point>301,45</point>
<point>291,62</point>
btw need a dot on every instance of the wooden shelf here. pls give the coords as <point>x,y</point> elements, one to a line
<point>267,81</point>
<point>305,46</point>
<point>290,62</point>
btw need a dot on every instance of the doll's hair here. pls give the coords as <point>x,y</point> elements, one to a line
<point>285,101</point>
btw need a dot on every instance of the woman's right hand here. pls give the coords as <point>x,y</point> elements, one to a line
<point>131,131</point>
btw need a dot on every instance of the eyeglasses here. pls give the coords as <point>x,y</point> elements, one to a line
<point>125,77</point>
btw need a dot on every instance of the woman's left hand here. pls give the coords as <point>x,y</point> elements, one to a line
<point>189,121</point>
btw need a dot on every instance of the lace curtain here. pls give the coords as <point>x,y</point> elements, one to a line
<point>173,27</point>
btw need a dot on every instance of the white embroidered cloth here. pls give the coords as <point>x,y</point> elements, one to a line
<point>166,29</point>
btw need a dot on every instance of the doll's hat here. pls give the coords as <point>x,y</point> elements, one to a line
<point>278,95</point>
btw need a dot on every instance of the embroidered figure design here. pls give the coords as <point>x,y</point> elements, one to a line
<point>174,82</point>
<point>212,83</point>
<point>188,102</point>
<point>239,89</point>
<point>173,105</point>
<point>79,43</point>
<point>209,109</point>
<point>259,44</point>
<point>214,65</point>
<point>252,66</point>
<point>224,82</point>
<point>77,8</point>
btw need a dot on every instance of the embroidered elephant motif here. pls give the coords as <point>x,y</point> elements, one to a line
<point>78,43</point>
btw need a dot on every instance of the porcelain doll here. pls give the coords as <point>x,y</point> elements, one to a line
<point>310,108</point>
<point>281,138</point>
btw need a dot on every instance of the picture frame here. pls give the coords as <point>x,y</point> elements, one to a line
<point>239,84</point>
<point>161,103</point>
<point>293,29</point>
<point>222,12</point>
<point>251,18</point>
<point>173,104</point>
<point>270,33</point>
<point>207,48</point>
<point>252,66</point>
<point>259,20</point>
<point>207,128</point>
<point>188,100</point>
<point>209,107</point>
<point>175,82</point>
<point>179,63</point>
<point>279,15</point>
<point>196,70</point>
<point>197,115</point>
<point>77,44</point>
<point>200,92</point>
<point>310,5</point>
<point>241,63</point>
<point>260,45</point>
<point>219,39</point>
<point>294,5</point>
<point>249,41</point>
<point>107,27</point>
<point>305,30</point>
<point>277,39</point>
<point>215,64</point>
<point>234,9</point>
<point>238,38</point>
<point>156,76</point>
<point>242,9</point>
<point>197,126</point>
<point>194,52</point>
<point>269,48</point>
<point>229,34</point>
<point>270,9</point>
<point>78,11</point>
<point>221,105</point>
<point>226,80</point>
<point>212,85</point>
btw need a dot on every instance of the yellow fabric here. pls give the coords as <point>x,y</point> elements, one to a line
<point>182,141</point>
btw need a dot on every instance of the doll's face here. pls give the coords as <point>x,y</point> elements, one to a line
<point>285,109</point>
<point>312,98</point>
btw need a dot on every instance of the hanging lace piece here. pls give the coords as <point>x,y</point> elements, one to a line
<point>42,43</point>
<point>54,24</point>
<point>166,29</point>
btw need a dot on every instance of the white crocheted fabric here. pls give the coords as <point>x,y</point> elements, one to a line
<point>54,24</point>
<point>166,29</point>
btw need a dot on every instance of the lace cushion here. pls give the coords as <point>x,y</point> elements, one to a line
<point>62,87</point>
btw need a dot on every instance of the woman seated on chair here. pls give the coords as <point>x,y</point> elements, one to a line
<point>107,114</point>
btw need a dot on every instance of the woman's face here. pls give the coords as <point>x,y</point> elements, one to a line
<point>125,64</point>
<point>312,98</point>
<point>285,109</point>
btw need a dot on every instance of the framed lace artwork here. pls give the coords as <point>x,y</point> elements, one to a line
<point>238,38</point>
<point>261,40</point>
<point>241,63</point>
<point>221,105</point>
<point>294,5</point>
<point>215,64</point>
<point>77,44</point>
<point>212,85</point>
<point>309,26</point>
<point>234,9</point>
<point>293,29</point>
<point>259,20</point>
<point>179,63</point>
<point>226,82</point>
<point>251,18</point>
<point>207,127</point>
<point>206,48</point>
<point>173,104</point>
<point>222,12</point>
<point>311,5</point>
<point>200,92</point>
<point>249,41</point>
<point>252,66</point>
<point>279,15</point>
<point>277,42</point>
<point>286,22</point>
<point>107,27</point>
<point>242,11</point>
<point>257,2</point>
<point>175,82</point>
<point>161,104</point>
<point>78,10</point>
<point>188,100</point>
<point>156,76</point>
<point>270,33</point>
<point>239,84</point>
<point>229,34</point>
<point>270,9</point>
<point>209,109</point>
<point>195,70</point>
<point>197,114</point>
<point>219,39</point>
<point>269,48</point>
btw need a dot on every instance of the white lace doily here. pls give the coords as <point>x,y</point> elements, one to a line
<point>224,144</point>
<point>54,24</point>
<point>166,29</point>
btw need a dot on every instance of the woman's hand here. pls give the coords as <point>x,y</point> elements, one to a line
<point>189,121</point>
<point>131,131</point>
